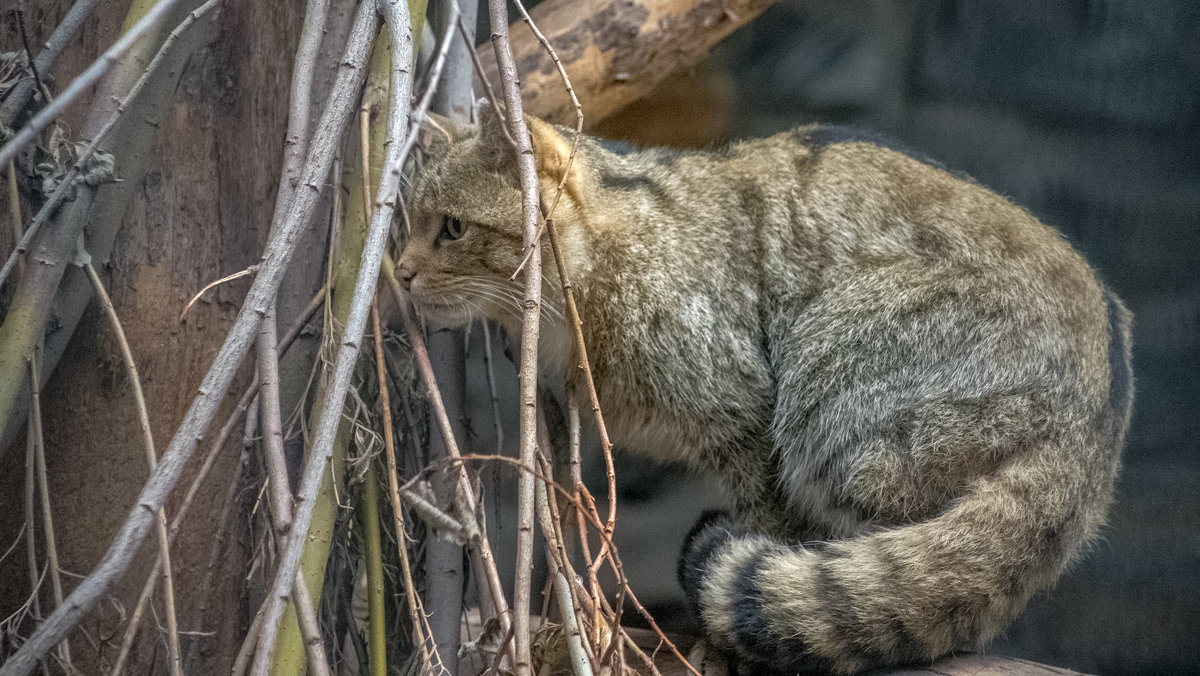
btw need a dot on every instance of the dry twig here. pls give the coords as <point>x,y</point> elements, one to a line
<point>164,549</point>
<point>419,621</point>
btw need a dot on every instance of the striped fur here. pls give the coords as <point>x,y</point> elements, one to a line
<point>914,393</point>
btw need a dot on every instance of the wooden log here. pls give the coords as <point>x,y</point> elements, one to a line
<point>614,51</point>
<point>648,641</point>
<point>961,665</point>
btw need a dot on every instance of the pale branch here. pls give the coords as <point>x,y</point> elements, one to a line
<point>139,399</point>
<point>279,492</point>
<point>531,321</point>
<point>294,148</point>
<point>580,665</point>
<point>270,416</point>
<point>216,382</point>
<point>20,95</point>
<point>400,34</point>
<point>448,93</point>
<point>617,50</point>
<point>556,554</point>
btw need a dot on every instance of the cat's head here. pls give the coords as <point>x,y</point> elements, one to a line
<point>467,226</point>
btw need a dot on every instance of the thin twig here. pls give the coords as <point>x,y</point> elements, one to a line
<point>373,555</point>
<point>212,389</point>
<point>400,33</point>
<point>466,494</point>
<point>227,278</point>
<point>562,72</point>
<point>531,322</point>
<point>39,447</point>
<point>410,589</point>
<point>35,578</point>
<point>33,67</point>
<point>139,399</point>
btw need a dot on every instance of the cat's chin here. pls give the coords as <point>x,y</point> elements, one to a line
<point>440,316</point>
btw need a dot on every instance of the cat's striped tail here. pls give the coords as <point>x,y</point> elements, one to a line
<point>900,596</point>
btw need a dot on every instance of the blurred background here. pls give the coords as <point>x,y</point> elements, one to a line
<point>1088,114</point>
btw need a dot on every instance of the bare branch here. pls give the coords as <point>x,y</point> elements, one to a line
<point>527,170</point>
<point>400,33</point>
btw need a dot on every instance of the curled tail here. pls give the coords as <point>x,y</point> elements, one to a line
<point>901,596</point>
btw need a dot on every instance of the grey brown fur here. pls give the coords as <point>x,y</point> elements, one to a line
<point>914,393</point>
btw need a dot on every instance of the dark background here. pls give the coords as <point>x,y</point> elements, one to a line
<point>1087,114</point>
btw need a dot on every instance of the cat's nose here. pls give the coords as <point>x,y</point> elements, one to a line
<point>405,275</point>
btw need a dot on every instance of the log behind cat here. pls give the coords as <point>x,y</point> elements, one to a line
<point>914,393</point>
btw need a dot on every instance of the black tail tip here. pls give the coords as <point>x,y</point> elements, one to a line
<point>711,532</point>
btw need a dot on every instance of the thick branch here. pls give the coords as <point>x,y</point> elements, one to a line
<point>615,51</point>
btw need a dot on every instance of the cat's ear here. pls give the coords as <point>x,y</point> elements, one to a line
<point>438,132</point>
<point>494,145</point>
<point>551,150</point>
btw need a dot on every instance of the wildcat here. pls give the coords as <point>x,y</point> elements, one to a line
<point>914,393</point>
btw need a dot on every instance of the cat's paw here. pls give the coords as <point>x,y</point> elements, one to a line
<point>710,662</point>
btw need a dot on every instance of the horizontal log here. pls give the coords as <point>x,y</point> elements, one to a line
<point>961,665</point>
<point>614,51</point>
<point>668,665</point>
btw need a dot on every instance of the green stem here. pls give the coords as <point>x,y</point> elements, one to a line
<point>377,639</point>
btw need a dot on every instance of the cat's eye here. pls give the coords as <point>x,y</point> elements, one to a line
<point>452,228</point>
